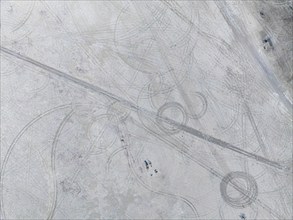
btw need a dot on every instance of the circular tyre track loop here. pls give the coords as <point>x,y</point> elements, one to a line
<point>136,45</point>
<point>145,99</point>
<point>203,109</point>
<point>138,58</point>
<point>170,105</point>
<point>249,194</point>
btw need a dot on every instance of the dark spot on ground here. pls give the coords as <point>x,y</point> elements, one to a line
<point>262,14</point>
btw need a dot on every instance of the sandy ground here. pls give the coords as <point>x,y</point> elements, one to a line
<point>146,110</point>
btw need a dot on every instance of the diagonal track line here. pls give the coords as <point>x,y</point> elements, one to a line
<point>143,111</point>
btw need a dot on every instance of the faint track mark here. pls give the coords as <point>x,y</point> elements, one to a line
<point>142,111</point>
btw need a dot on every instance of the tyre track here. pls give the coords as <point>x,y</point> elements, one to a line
<point>53,166</point>
<point>13,144</point>
<point>144,112</point>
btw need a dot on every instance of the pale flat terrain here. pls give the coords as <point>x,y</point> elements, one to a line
<point>146,110</point>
